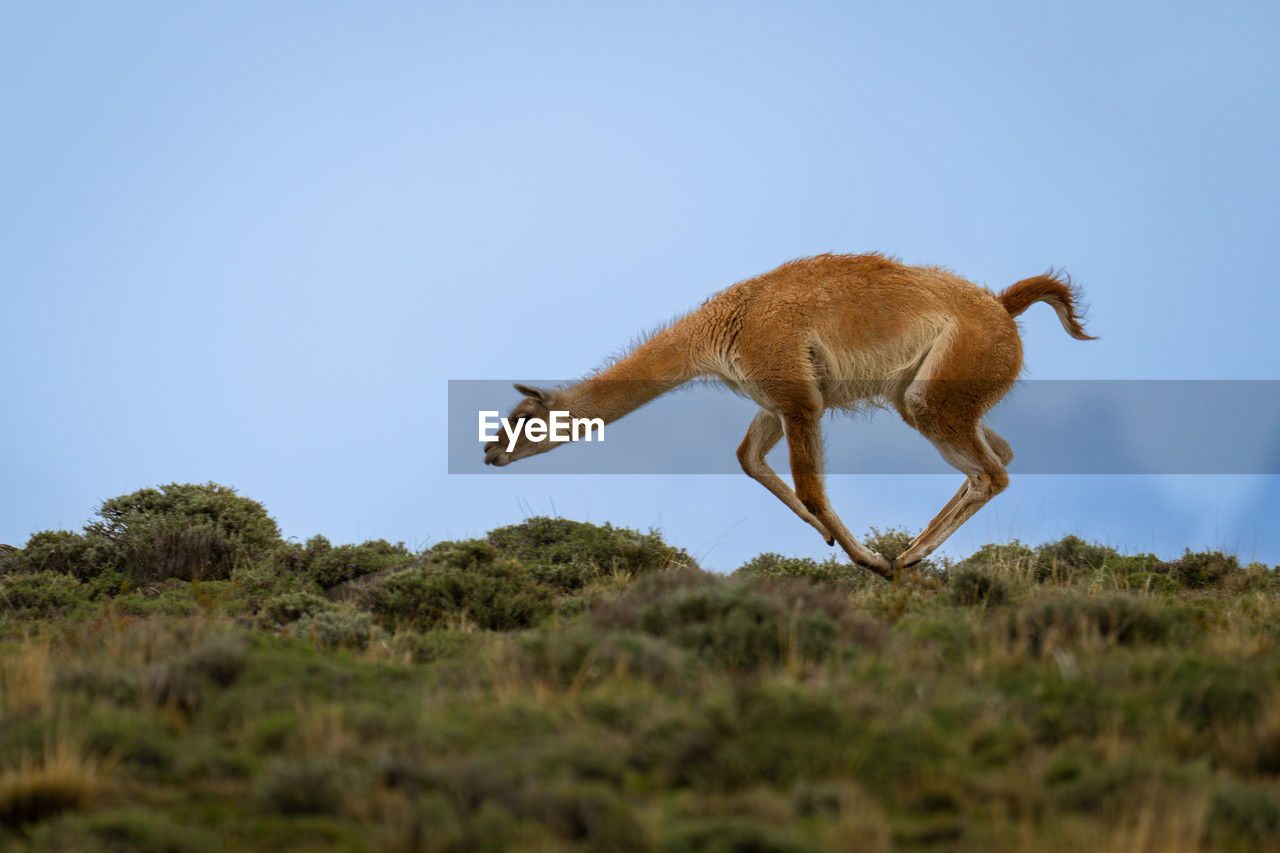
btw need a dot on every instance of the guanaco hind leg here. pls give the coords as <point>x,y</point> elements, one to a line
<point>970,451</point>
<point>1001,449</point>
<point>765,431</point>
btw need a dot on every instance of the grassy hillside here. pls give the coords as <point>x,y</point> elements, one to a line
<point>176,677</point>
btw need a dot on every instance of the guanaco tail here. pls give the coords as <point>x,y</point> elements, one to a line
<point>836,332</point>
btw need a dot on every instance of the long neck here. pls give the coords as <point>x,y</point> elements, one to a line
<point>658,365</point>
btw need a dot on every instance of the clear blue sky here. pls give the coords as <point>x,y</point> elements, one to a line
<point>250,243</point>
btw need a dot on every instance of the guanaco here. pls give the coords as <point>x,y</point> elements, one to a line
<point>836,332</point>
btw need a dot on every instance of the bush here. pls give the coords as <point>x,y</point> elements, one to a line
<point>580,655</point>
<point>736,623</point>
<point>730,835</point>
<point>888,543</point>
<point>36,790</point>
<point>972,586</point>
<point>1071,557</point>
<point>61,551</point>
<point>330,566</point>
<point>466,580</point>
<point>1200,570</point>
<point>1141,571</point>
<point>1214,694</point>
<point>292,606</point>
<point>133,739</point>
<point>183,531</point>
<point>41,594</point>
<point>1083,780</point>
<point>567,555</point>
<point>293,558</point>
<point>131,830</point>
<point>992,557</point>
<point>770,565</point>
<point>891,543</point>
<point>182,681</point>
<point>591,814</point>
<point>494,798</point>
<point>338,629</point>
<point>310,787</point>
<point>1243,817</point>
<point>1118,618</point>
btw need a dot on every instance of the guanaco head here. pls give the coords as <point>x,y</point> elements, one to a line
<point>537,404</point>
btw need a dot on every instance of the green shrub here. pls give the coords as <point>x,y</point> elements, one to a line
<point>438,644</point>
<point>1071,557</point>
<point>41,594</point>
<point>586,813</point>
<point>730,834</point>
<point>330,566</point>
<point>1060,707</point>
<point>739,624</point>
<point>567,555</point>
<point>132,738</point>
<point>494,797</point>
<point>998,742</point>
<point>890,543</point>
<point>1243,816</point>
<point>280,610</point>
<point>1200,570</point>
<point>183,680</point>
<point>307,787</point>
<point>183,531</point>
<point>293,558</point>
<point>1215,694</point>
<point>1119,618</point>
<point>130,830</point>
<point>1064,561</point>
<point>164,549</point>
<point>1082,780</point>
<point>992,557</point>
<point>116,685</point>
<point>466,580</point>
<point>971,586</point>
<point>338,628</point>
<point>896,756</point>
<point>1141,571</point>
<point>61,551</point>
<point>770,565</point>
<point>781,732</point>
<point>577,654</point>
<point>166,598</point>
<point>1255,577</point>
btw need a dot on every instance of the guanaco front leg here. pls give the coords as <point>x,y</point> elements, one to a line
<point>804,439</point>
<point>765,431</point>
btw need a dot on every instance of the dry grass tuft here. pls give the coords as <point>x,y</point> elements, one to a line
<point>64,778</point>
<point>26,680</point>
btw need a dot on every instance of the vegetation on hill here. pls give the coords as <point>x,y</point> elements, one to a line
<point>178,677</point>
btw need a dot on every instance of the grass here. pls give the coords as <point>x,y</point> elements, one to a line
<point>561,686</point>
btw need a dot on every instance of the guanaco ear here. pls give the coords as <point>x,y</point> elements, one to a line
<point>539,394</point>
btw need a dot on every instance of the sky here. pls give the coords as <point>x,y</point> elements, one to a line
<point>252,243</point>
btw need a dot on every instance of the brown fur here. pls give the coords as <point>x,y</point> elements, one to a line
<point>837,332</point>
<point>1060,294</point>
